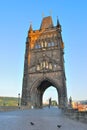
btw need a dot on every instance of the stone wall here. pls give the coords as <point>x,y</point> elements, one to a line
<point>76,115</point>
<point>8,108</point>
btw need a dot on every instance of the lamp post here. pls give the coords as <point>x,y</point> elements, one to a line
<point>19,100</point>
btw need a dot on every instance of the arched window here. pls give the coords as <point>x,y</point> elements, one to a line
<point>45,44</point>
<point>37,46</point>
<point>49,44</point>
<point>52,43</point>
<point>42,44</point>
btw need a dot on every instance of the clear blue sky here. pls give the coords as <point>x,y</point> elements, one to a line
<point>15,18</point>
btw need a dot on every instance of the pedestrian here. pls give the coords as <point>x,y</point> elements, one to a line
<point>49,102</point>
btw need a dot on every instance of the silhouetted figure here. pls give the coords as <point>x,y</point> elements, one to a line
<point>70,101</point>
<point>31,123</point>
<point>59,126</point>
<point>49,102</point>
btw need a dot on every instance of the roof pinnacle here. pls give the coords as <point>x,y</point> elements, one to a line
<point>30,29</point>
<point>58,23</point>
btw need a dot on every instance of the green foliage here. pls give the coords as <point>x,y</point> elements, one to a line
<point>8,101</point>
<point>54,103</point>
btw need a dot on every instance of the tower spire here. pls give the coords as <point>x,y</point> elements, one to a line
<point>30,29</point>
<point>58,23</point>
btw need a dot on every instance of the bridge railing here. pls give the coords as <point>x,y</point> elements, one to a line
<point>8,108</point>
<point>76,115</point>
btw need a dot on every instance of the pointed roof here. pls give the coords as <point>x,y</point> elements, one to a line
<point>58,23</point>
<point>30,29</point>
<point>46,22</point>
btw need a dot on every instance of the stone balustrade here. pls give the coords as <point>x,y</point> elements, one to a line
<point>8,108</point>
<point>76,115</point>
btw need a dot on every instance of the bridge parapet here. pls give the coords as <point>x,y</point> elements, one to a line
<point>76,115</point>
<point>8,108</point>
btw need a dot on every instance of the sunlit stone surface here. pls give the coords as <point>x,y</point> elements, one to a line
<point>43,119</point>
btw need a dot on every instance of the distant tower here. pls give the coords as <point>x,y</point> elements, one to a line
<point>44,64</point>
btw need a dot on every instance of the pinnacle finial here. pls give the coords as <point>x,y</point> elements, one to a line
<point>30,29</point>
<point>58,23</point>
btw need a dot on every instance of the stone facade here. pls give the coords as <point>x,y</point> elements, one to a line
<point>44,64</point>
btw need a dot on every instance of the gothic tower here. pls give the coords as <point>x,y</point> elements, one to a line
<point>44,64</point>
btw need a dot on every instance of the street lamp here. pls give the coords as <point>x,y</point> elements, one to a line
<point>19,100</point>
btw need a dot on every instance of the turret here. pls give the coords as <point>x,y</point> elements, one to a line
<point>58,24</point>
<point>30,29</point>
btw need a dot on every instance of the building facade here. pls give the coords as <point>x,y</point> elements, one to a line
<point>44,64</point>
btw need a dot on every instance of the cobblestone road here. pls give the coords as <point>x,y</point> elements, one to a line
<point>43,119</point>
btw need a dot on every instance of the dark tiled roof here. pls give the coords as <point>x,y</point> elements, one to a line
<point>46,22</point>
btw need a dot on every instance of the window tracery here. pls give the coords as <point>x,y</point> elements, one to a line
<point>44,65</point>
<point>45,44</point>
<point>37,46</point>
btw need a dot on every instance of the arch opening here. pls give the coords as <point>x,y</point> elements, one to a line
<point>39,88</point>
<point>50,93</point>
<point>44,87</point>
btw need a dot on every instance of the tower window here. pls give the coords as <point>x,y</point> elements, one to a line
<point>52,43</point>
<point>37,46</point>
<point>49,44</point>
<point>42,45</point>
<point>45,44</point>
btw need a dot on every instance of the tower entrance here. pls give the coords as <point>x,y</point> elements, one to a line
<point>50,96</point>
<point>41,87</point>
<point>44,64</point>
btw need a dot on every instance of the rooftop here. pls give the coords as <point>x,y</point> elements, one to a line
<point>46,22</point>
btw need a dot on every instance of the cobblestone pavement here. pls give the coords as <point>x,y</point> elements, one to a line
<point>43,119</point>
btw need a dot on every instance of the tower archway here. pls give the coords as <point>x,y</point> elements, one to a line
<point>38,89</point>
<point>50,95</point>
